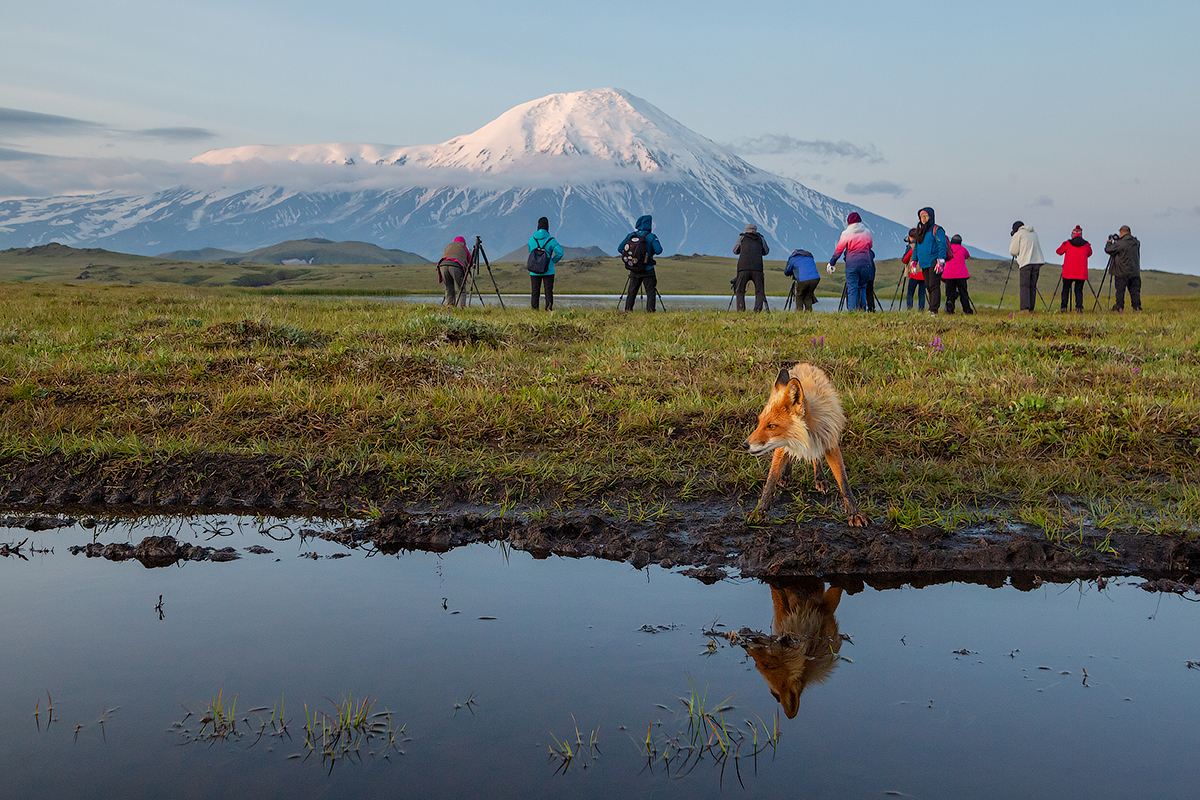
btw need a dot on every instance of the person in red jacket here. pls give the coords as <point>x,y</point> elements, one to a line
<point>1075,252</point>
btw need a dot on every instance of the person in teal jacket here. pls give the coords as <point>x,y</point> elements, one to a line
<point>931,247</point>
<point>538,283</point>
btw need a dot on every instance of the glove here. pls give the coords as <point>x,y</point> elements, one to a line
<point>941,265</point>
<point>831,269</point>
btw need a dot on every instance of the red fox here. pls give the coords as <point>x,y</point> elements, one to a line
<point>802,420</point>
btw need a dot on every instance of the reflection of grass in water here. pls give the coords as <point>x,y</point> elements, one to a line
<point>704,733</point>
<point>353,725</point>
<point>585,750</point>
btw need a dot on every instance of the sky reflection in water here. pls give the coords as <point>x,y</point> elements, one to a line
<point>891,708</point>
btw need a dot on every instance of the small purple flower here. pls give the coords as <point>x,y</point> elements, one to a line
<point>818,342</point>
<point>1137,370</point>
<point>936,344</point>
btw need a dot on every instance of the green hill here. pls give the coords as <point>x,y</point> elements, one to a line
<point>522,253</point>
<point>323,252</point>
<point>203,254</point>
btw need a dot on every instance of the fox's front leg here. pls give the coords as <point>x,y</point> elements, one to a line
<point>779,463</point>
<point>838,465</point>
<point>818,481</point>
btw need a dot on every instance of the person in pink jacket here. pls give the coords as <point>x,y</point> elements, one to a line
<point>955,276</point>
<point>1075,252</point>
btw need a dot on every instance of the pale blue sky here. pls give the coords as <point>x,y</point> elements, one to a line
<point>1057,113</point>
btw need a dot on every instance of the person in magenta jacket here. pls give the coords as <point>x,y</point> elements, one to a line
<point>955,276</point>
<point>1075,252</point>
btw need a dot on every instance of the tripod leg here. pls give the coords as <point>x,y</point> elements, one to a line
<point>842,302</point>
<point>625,291</point>
<point>1054,294</point>
<point>1006,279</point>
<point>896,294</point>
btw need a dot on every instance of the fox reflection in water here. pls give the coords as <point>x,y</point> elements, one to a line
<point>805,647</point>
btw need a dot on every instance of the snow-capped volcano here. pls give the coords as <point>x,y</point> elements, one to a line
<point>557,133</point>
<point>591,161</point>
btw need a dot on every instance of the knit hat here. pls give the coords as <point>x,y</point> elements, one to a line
<point>1076,231</point>
<point>751,229</point>
<point>853,218</point>
<point>543,224</point>
<point>460,239</point>
<point>1016,227</point>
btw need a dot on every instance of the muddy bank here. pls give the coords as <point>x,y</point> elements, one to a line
<point>714,548</point>
<point>710,539</point>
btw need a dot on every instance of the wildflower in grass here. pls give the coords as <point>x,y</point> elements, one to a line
<point>818,341</point>
<point>936,344</point>
<point>1137,370</point>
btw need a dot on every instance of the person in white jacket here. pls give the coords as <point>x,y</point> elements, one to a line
<point>1026,249</point>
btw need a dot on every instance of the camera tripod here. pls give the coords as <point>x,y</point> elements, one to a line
<point>476,254</point>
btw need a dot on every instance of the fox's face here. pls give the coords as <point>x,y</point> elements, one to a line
<point>781,420</point>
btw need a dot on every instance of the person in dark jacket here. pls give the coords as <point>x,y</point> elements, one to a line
<point>453,268</point>
<point>802,267</point>
<point>1126,267</point>
<point>537,283</point>
<point>930,248</point>
<point>750,249</point>
<point>1075,252</point>
<point>646,277</point>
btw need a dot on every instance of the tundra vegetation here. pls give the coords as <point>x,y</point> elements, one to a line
<point>1062,421</point>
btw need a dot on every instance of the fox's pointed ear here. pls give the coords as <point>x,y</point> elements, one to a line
<point>782,380</point>
<point>795,392</point>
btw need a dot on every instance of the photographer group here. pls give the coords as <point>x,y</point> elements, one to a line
<point>932,258</point>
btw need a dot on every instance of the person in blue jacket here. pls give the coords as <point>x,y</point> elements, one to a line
<point>930,249</point>
<point>643,278</point>
<point>537,282</point>
<point>803,268</point>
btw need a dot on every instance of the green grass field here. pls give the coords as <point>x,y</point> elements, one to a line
<point>1057,420</point>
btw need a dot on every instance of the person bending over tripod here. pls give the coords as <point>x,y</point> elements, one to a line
<point>452,269</point>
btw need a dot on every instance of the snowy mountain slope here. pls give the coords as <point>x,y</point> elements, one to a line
<point>592,162</point>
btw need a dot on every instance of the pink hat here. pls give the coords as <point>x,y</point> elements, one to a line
<point>460,239</point>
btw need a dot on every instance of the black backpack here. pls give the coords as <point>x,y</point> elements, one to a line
<point>635,253</point>
<point>539,259</point>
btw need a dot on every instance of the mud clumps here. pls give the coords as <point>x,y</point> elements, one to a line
<point>155,551</point>
<point>713,549</point>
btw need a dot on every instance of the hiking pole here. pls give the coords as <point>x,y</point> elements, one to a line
<point>732,295</point>
<point>1005,289</point>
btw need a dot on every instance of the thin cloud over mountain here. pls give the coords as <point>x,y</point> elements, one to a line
<point>781,143</point>
<point>876,187</point>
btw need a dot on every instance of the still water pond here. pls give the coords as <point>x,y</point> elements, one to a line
<point>486,657</point>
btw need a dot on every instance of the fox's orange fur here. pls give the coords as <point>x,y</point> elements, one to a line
<point>802,420</point>
<point>806,645</point>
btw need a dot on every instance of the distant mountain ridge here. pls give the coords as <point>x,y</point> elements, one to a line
<point>310,252</point>
<point>592,162</point>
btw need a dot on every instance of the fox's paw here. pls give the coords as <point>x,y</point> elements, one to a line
<point>757,516</point>
<point>859,520</point>
<point>823,487</point>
